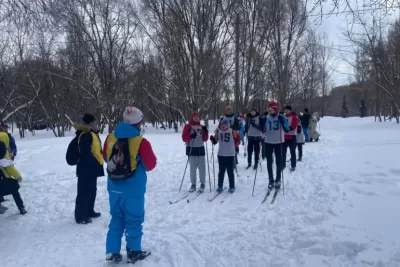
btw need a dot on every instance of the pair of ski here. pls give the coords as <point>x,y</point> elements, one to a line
<point>219,193</point>
<point>186,196</point>
<point>269,193</point>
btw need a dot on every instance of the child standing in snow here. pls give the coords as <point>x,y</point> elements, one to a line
<point>228,140</point>
<point>129,156</point>
<point>300,139</point>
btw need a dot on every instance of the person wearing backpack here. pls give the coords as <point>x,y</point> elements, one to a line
<point>129,156</point>
<point>9,175</point>
<point>89,167</point>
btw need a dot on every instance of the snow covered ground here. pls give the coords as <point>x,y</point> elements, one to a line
<point>340,208</point>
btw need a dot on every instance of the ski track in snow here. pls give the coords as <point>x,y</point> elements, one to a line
<point>336,211</point>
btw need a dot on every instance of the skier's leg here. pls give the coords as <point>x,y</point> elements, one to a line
<point>221,173</point>
<point>202,169</point>
<point>249,150</point>
<point>292,147</point>
<point>256,151</point>
<point>278,149</point>
<point>268,153</point>
<point>230,166</point>
<point>193,161</point>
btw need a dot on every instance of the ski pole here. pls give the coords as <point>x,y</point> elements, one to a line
<point>254,184</point>
<point>208,165</point>
<point>187,162</point>
<point>212,155</point>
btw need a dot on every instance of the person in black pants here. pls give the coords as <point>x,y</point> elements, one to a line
<point>89,167</point>
<point>254,124</point>
<point>290,138</point>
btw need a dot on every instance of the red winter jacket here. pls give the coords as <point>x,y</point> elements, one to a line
<point>187,130</point>
<point>292,122</point>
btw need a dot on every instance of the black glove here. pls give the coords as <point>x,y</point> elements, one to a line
<point>204,128</point>
<point>212,139</point>
<point>193,135</point>
<point>298,129</point>
<point>290,128</point>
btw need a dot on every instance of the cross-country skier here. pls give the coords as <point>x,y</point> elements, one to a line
<point>194,135</point>
<point>300,139</point>
<point>228,139</point>
<point>234,124</point>
<point>253,131</point>
<point>290,138</point>
<point>129,157</point>
<point>274,128</point>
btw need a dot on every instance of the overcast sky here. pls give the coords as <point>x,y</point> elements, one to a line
<point>334,27</point>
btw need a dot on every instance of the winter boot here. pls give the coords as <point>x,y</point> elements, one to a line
<point>277,185</point>
<point>114,257</point>
<point>231,190</point>
<point>192,188</point>
<point>22,210</point>
<point>134,256</point>
<point>248,166</point>
<point>219,189</point>
<point>85,221</point>
<point>292,169</point>
<point>94,214</point>
<point>202,187</point>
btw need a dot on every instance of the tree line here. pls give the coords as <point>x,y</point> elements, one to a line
<point>61,58</point>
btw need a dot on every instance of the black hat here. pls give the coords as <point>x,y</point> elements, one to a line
<point>3,126</point>
<point>88,118</point>
<point>306,110</point>
<point>253,108</point>
<point>3,150</point>
<point>288,107</point>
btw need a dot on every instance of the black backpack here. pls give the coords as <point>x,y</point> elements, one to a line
<point>73,154</point>
<point>119,164</point>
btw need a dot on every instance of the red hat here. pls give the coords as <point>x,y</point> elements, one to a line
<point>195,113</point>
<point>273,105</point>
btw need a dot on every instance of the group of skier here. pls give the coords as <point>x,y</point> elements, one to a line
<point>267,135</point>
<point>129,156</point>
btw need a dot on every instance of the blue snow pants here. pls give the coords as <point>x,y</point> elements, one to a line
<point>305,131</point>
<point>127,215</point>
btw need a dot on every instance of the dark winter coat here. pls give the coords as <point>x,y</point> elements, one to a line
<point>90,164</point>
<point>305,120</point>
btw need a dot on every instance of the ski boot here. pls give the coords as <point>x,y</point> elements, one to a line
<point>219,189</point>
<point>192,188</point>
<point>271,185</point>
<point>202,187</point>
<point>134,256</point>
<point>3,209</point>
<point>277,185</point>
<point>299,160</point>
<point>248,166</point>
<point>231,190</point>
<point>292,169</point>
<point>114,257</point>
<point>22,211</point>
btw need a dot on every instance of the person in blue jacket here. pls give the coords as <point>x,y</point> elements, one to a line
<point>127,186</point>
